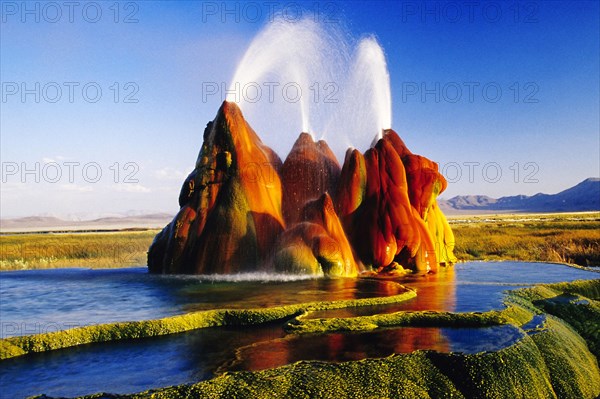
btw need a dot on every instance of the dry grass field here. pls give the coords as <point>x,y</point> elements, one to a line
<point>565,238</point>
<point>57,250</point>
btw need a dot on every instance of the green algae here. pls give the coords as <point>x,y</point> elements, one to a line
<point>511,315</point>
<point>402,376</point>
<point>575,302</point>
<point>581,313</point>
<point>17,346</point>
<point>573,370</point>
<point>550,364</point>
<point>552,361</point>
<point>517,371</point>
<point>587,288</point>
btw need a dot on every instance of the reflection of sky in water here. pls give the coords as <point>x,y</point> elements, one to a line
<point>96,296</point>
<point>47,300</point>
<point>127,366</point>
<point>469,287</point>
<point>132,366</point>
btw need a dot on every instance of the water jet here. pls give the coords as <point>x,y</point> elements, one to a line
<point>343,83</point>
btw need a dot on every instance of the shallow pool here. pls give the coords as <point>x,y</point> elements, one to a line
<point>34,301</point>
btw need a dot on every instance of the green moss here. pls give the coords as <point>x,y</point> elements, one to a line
<point>517,371</point>
<point>573,369</point>
<point>517,314</point>
<point>587,288</point>
<point>8,349</point>
<point>399,376</point>
<point>581,313</point>
<point>571,302</point>
<point>554,363</point>
<point>550,362</point>
<point>16,346</point>
<point>513,315</point>
<point>108,332</point>
<point>328,305</point>
<point>532,294</point>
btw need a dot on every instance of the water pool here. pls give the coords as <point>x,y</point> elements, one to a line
<point>53,299</point>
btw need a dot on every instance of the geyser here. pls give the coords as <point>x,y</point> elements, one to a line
<point>369,80</point>
<point>230,213</point>
<point>314,78</point>
<point>243,209</point>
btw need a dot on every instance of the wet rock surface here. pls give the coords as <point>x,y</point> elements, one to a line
<point>242,209</point>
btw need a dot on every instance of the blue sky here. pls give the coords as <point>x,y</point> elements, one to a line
<point>150,59</point>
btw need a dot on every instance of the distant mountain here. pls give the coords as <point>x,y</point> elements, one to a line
<point>585,196</point>
<point>51,223</point>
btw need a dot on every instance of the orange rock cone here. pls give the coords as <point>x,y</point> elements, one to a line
<point>230,204</point>
<point>309,170</point>
<point>383,199</point>
<point>237,202</point>
<point>317,244</point>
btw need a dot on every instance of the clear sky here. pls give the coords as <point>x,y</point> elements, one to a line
<point>104,103</point>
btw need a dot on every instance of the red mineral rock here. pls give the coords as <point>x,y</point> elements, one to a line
<point>230,204</point>
<point>236,203</point>
<point>383,199</point>
<point>317,244</point>
<point>309,170</point>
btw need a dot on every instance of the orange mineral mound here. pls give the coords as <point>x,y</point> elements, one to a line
<point>317,244</point>
<point>238,200</point>
<point>309,170</point>
<point>383,201</point>
<point>230,212</point>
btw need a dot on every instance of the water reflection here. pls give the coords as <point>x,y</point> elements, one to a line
<point>204,296</point>
<point>48,300</point>
<point>128,366</point>
<point>136,365</point>
<point>436,292</point>
<point>38,301</point>
<point>340,347</point>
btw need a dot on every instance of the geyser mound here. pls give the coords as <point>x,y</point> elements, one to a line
<point>230,213</point>
<point>309,170</point>
<point>243,210</point>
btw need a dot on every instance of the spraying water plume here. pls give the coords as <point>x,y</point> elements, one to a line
<point>285,60</point>
<point>370,81</point>
<point>314,78</point>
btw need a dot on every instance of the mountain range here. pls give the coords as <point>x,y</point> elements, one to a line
<point>110,222</point>
<point>584,196</point>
